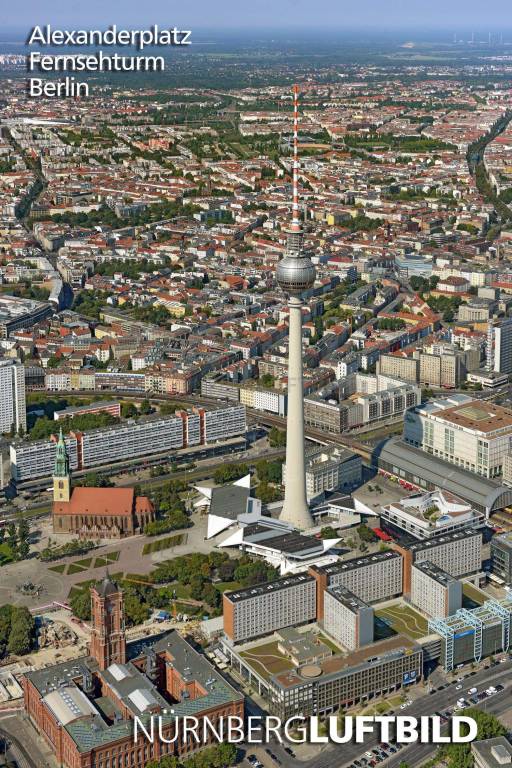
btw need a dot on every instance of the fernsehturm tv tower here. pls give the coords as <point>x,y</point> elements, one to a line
<point>295,274</point>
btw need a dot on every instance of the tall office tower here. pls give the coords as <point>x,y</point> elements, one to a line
<point>13,413</point>
<point>295,274</point>
<point>499,346</point>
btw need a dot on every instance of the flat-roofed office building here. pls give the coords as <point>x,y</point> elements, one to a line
<point>472,434</point>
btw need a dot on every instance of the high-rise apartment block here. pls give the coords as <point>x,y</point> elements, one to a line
<point>125,441</point>
<point>13,414</point>
<point>458,553</point>
<point>434,591</point>
<point>347,619</point>
<point>264,608</point>
<point>371,578</point>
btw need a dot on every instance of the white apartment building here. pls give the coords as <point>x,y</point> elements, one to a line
<point>264,608</point>
<point>399,367</point>
<point>37,459</point>
<point>459,553</point>
<point>129,440</point>
<point>262,399</point>
<point>57,381</point>
<point>433,591</point>
<point>232,422</point>
<point>347,619</point>
<point>13,412</point>
<point>330,468</point>
<point>372,578</point>
<point>473,434</point>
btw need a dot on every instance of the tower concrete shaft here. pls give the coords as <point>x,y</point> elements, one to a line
<point>295,508</point>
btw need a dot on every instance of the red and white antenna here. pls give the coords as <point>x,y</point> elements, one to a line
<point>296,226</point>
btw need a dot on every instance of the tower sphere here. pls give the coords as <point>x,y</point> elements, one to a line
<point>295,274</point>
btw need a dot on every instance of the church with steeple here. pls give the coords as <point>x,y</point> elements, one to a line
<point>95,513</point>
<point>61,473</point>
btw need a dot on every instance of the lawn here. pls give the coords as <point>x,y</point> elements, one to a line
<point>106,559</point>
<point>86,563</point>
<point>5,554</point>
<point>144,577</point>
<point>190,610</point>
<point>58,568</point>
<point>266,660</point>
<point>399,619</point>
<point>227,586</point>
<point>334,648</point>
<point>75,568</point>
<point>182,591</point>
<point>167,543</point>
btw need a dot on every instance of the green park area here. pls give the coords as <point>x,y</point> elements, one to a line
<point>166,543</point>
<point>79,566</point>
<point>399,619</point>
<point>266,660</point>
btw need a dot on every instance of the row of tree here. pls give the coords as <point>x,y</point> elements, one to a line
<point>218,756</point>
<point>17,630</point>
<point>16,540</point>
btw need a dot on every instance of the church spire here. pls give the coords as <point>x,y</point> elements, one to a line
<point>61,473</point>
<point>61,468</point>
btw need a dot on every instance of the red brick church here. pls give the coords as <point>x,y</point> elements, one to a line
<point>95,513</point>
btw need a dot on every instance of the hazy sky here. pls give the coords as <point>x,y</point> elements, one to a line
<point>453,15</point>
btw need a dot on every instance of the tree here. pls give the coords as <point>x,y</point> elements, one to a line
<point>135,611</point>
<point>269,471</point>
<point>22,631</point>
<point>128,410</point>
<point>95,480</point>
<point>365,533</point>
<point>277,437</point>
<point>145,407</point>
<point>459,755</point>
<point>228,472</point>
<point>328,532</point>
<point>319,328</point>
<point>53,362</point>
<point>80,604</point>
<point>267,493</point>
<point>197,583</point>
<point>267,380</point>
<point>12,536</point>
